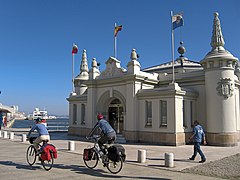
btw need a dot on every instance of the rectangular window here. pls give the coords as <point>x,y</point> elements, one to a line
<point>148,113</point>
<point>163,111</point>
<point>184,114</point>
<point>220,63</point>
<point>211,64</point>
<point>191,112</point>
<point>74,114</point>
<point>83,113</point>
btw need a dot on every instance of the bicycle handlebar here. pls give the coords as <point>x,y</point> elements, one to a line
<point>94,137</point>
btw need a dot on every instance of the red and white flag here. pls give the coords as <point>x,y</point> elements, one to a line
<point>74,49</point>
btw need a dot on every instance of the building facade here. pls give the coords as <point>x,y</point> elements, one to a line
<point>145,105</point>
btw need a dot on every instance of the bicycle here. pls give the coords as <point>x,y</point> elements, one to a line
<point>32,154</point>
<point>92,155</point>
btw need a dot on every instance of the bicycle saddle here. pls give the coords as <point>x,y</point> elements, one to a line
<point>45,141</point>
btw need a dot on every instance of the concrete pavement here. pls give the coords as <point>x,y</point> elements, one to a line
<point>13,163</point>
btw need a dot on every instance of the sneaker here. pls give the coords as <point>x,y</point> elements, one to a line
<point>202,161</point>
<point>191,158</point>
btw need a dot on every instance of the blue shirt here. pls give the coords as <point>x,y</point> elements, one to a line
<point>198,133</point>
<point>104,126</point>
<point>41,129</point>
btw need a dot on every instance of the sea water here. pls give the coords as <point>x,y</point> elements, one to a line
<point>59,124</point>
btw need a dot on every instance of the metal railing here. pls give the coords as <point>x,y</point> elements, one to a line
<point>57,126</point>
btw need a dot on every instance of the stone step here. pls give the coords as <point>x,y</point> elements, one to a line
<point>121,139</point>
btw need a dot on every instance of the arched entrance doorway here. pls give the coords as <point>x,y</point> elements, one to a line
<point>115,114</point>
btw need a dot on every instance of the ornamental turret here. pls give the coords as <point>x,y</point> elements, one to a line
<point>79,81</point>
<point>219,66</point>
<point>218,56</point>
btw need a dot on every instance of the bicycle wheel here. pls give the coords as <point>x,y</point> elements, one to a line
<point>48,164</point>
<point>92,163</point>
<point>31,155</point>
<point>115,167</point>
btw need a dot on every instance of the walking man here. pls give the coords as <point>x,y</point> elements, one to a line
<point>197,137</point>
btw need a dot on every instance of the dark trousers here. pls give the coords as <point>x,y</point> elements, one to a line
<point>197,149</point>
<point>107,138</point>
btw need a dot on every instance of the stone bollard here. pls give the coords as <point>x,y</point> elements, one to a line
<point>11,135</point>
<point>24,137</point>
<point>142,156</point>
<point>71,145</point>
<point>5,134</point>
<point>169,160</point>
<point>0,133</point>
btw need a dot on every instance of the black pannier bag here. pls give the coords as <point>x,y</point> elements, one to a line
<point>87,154</point>
<point>115,151</point>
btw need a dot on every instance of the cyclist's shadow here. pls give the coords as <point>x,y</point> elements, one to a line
<point>20,166</point>
<point>84,170</point>
<point>99,172</point>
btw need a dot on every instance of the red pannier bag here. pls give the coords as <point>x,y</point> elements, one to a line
<point>45,155</point>
<point>87,154</point>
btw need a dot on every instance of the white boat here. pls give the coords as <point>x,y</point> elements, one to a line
<point>52,117</point>
<point>37,113</point>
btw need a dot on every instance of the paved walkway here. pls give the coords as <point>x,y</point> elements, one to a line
<point>13,163</point>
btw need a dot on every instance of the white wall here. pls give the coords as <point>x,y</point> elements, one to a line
<point>220,111</point>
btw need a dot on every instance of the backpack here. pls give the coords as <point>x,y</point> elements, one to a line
<point>115,152</point>
<point>46,155</point>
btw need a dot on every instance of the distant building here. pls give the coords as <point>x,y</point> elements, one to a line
<point>9,112</point>
<point>145,106</point>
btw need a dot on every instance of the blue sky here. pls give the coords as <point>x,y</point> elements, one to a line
<point>36,38</point>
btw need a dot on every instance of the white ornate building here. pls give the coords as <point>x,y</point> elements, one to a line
<point>145,106</point>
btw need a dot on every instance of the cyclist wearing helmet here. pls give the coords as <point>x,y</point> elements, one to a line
<point>42,131</point>
<point>108,133</point>
<point>44,121</point>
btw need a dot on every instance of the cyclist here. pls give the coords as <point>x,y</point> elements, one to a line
<point>108,134</point>
<point>42,131</point>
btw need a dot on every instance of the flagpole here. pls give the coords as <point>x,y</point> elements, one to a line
<point>115,41</point>
<point>173,76</point>
<point>73,91</point>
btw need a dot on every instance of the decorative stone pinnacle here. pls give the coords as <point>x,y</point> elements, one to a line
<point>84,54</point>
<point>134,54</point>
<point>94,62</point>
<point>84,65</point>
<point>217,37</point>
